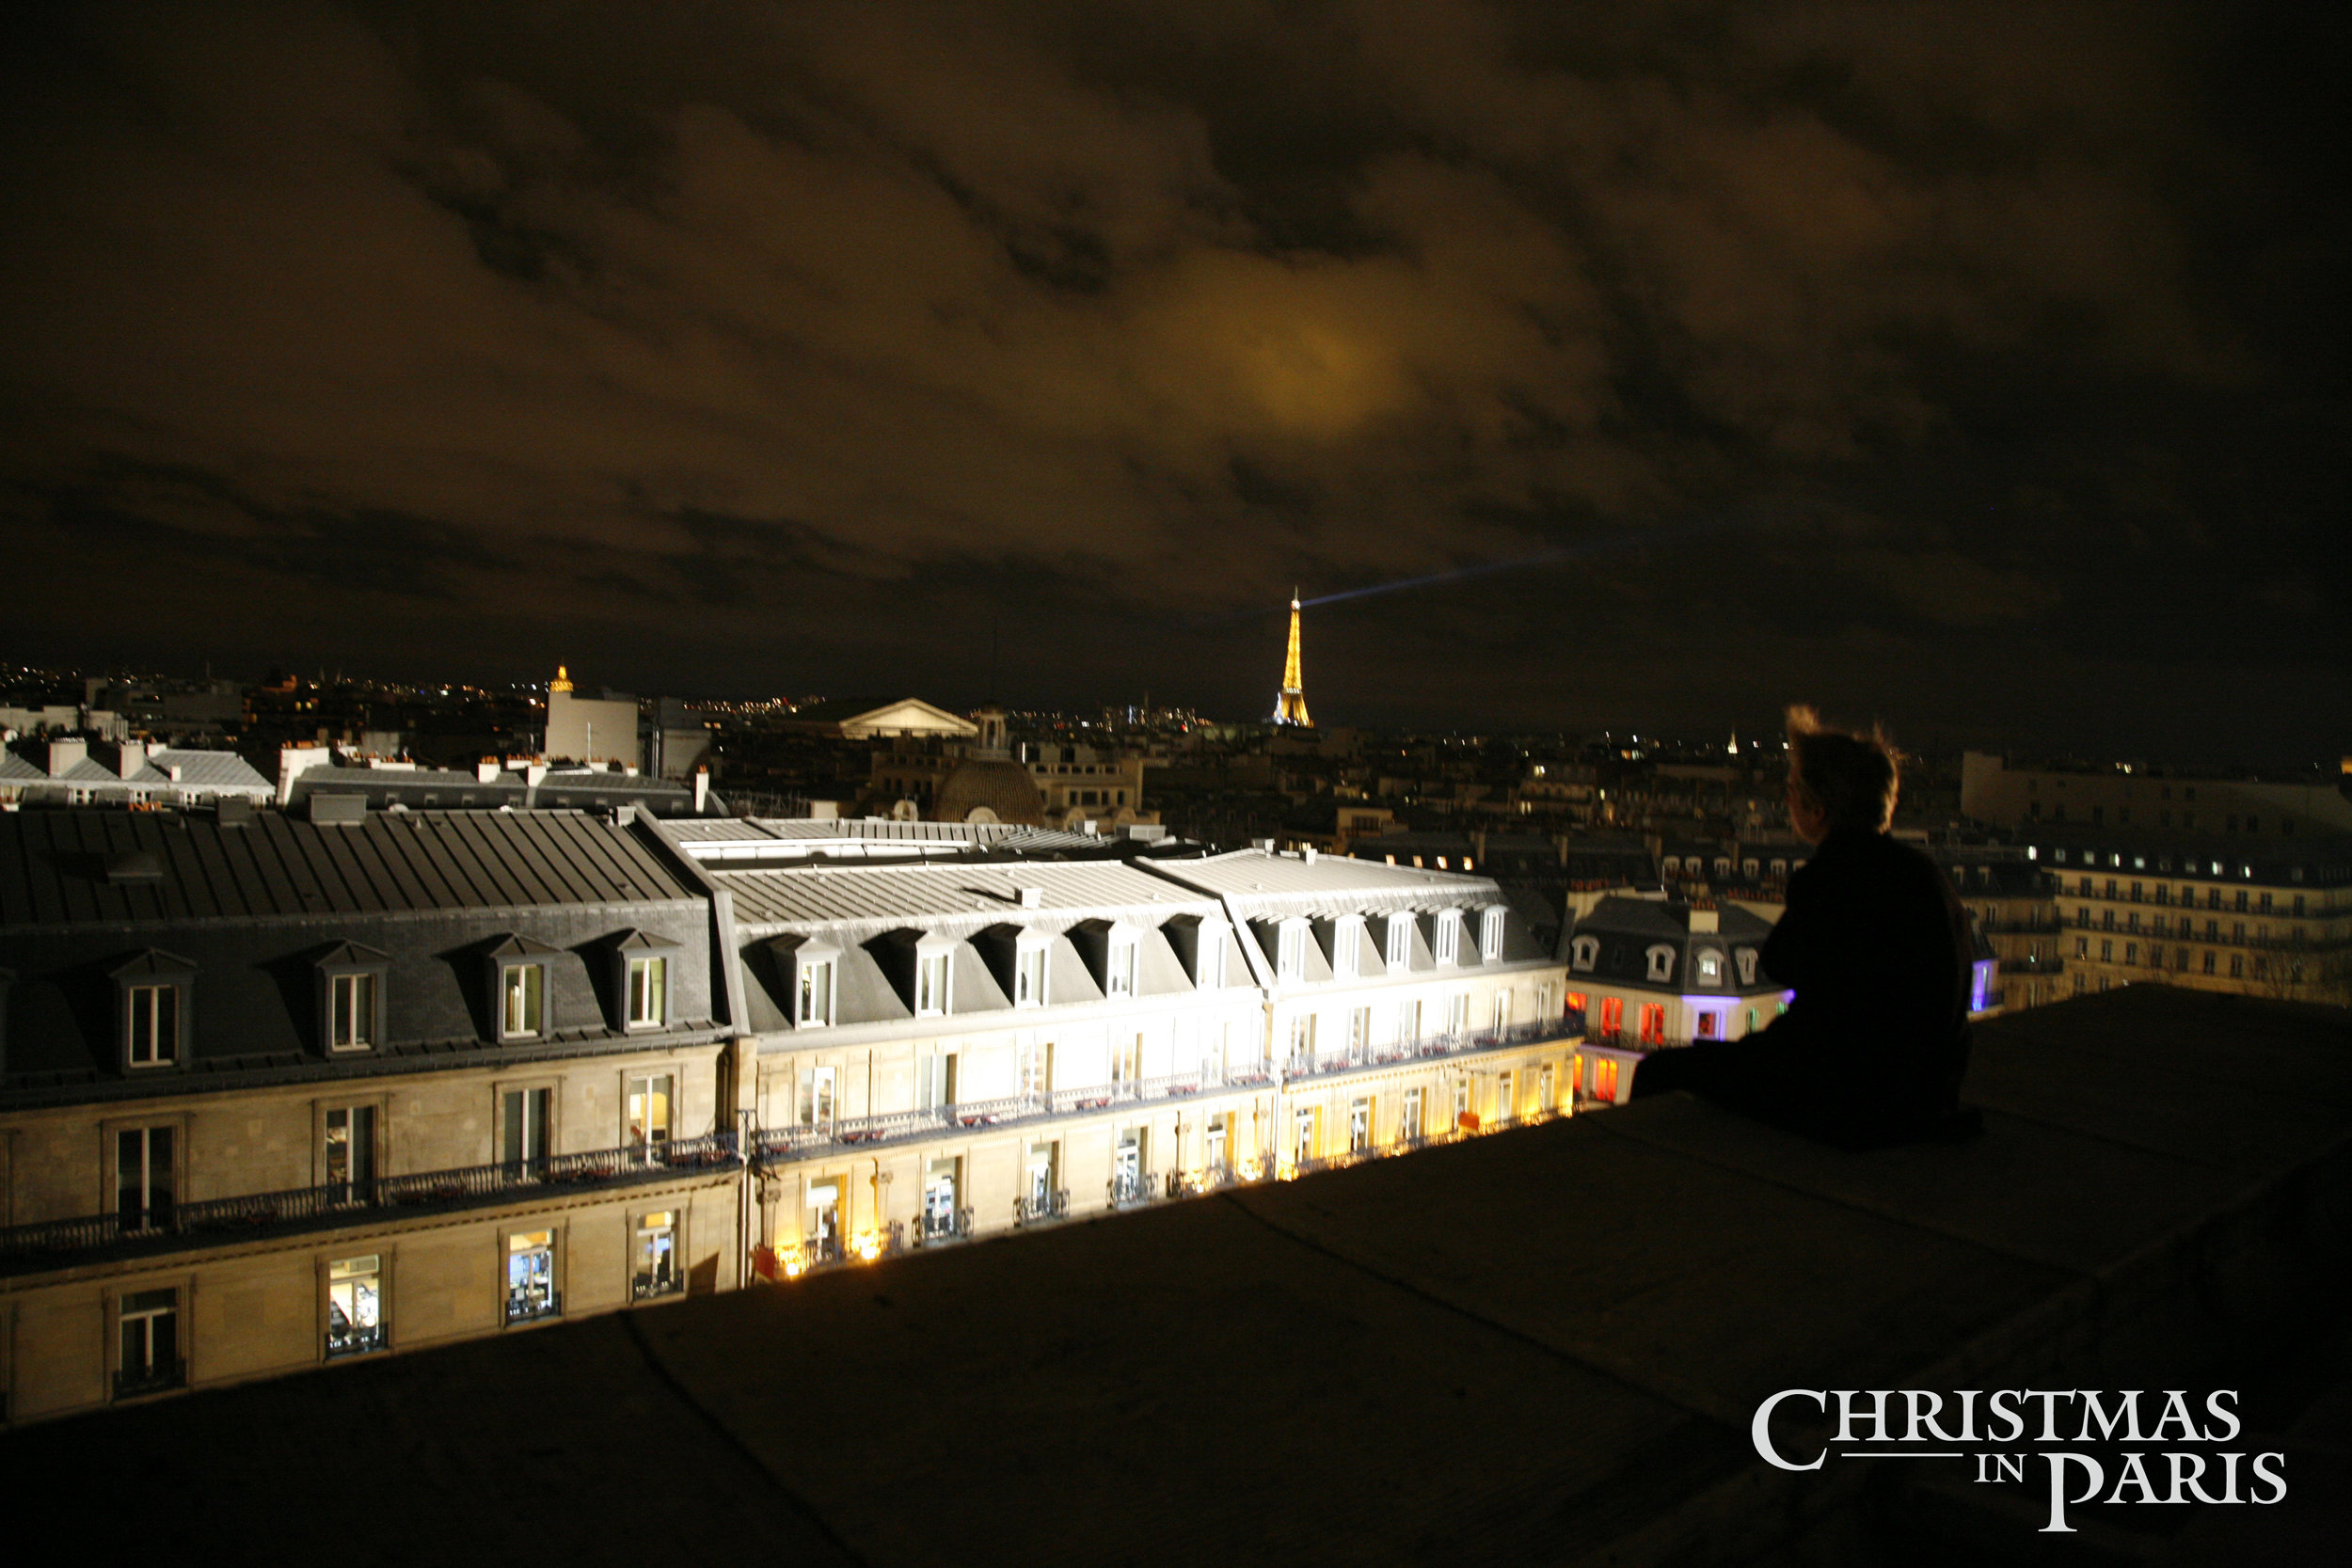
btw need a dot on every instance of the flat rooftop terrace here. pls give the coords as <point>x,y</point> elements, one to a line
<point>1544,1345</point>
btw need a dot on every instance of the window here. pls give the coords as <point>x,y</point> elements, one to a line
<point>1710,967</point>
<point>355,1305</point>
<point>531,1291</point>
<point>2237,966</point>
<point>154,1025</point>
<point>148,1342</point>
<point>1347,938</point>
<point>2208,963</point>
<point>653,1256</point>
<point>1290,961</point>
<point>1409,1123</point>
<point>348,1153</point>
<point>1397,948</point>
<point>1507,1096</point>
<point>1502,1009</point>
<point>1303,1036</point>
<point>524,1140</point>
<point>649,1102</point>
<point>1661,962</point>
<point>1037,1067</point>
<point>1044,1179</point>
<point>1129,1183</point>
<point>1611,1015</point>
<point>522,1001</point>
<point>1583,952</point>
<point>943,1184</point>
<point>816,993</point>
<point>146,1177</point>
<point>351,1012</point>
<point>1458,1013</point>
<point>931,983</point>
<point>1303,1135</point>
<point>1126,1061</point>
<point>1705,1024</point>
<point>648,992</point>
<point>1123,958</point>
<point>1463,1115</point>
<point>1490,933</point>
<point>1028,975</point>
<point>1653,1024</point>
<point>1359,1124</point>
<point>1209,966</point>
<point>1605,1079</point>
<point>1213,1142</point>
<point>2082,947</point>
<point>1358,1029</point>
<point>820,1101</point>
<point>935,1081</point>
<point>1449,942</point>
<point>2107,950</point>
<point>1544,1082</point>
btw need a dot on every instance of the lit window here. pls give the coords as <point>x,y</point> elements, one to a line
<point>1127,1061</point>
<point>1408,1122</point>
<point>648,992</point>
<point>1653,1024</point>
<point>348,1153</point>
<point>1123,956</point>
<point>1359,1124</point>
<point>653,1256</point>
<point>148,1342</point>
<point>1710,967</point>
<point>355,1305</point>
<point>531,1291</point>
<point>649,1102</point>
<point>522,1009</point>
<point>820,1097</point>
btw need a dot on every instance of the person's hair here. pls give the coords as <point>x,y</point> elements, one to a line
<point>1850,776</point>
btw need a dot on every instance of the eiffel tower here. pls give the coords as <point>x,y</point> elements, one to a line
<point>1291,706</point>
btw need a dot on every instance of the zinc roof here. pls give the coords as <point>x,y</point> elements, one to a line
<point>1257,883</point>
<point>934,892</point>
<point>55,866</point>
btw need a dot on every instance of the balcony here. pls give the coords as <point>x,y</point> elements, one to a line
<point>1132,1189</point>
<point>259,1216</point>
<point>1034,1210</point>
<point>1426,1048</point>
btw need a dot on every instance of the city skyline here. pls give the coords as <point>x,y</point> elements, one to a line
<point>1983,378</point>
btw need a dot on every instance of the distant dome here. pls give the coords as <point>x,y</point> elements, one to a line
<point>993,784</point>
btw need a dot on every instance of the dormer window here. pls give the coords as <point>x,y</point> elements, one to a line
<point>1661,963</point>
<point>151,1002</point>
<point>1745,957</point>
<point>815,989</point>
<point>1290,958</point>
<point>930,981</point>
<point>519,974</point>
<point>1710,964</point>
<point>1490,932</point>
<point>1449,937</point>
<point>640,979</point>
<point>1122,964</point>
<point>351,996</point>
<point>522,1005</point>
<point>1209,963</point>
<point>1030,954</point>
<point>1583,953</point>
<point>1348,941</point>
<point>1397,951</point>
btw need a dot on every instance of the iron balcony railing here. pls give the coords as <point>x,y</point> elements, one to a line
<point>342,1203</point>
<point>1029,1209</point>
<point>1130,1188</point>
<point>938,1229</point>
<point>1423,1048</point>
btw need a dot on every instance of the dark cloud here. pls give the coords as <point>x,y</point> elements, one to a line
<point>1940,352</point>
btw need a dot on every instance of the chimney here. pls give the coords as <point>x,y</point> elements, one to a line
<point>487,771</point>
<point>1705,920</point>
<point>66,755</point>
<point>1032,897</point>
<point>702,790</point>
<point>129,757</point>
<point>1308,854</point>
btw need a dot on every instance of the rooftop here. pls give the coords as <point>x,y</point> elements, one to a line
<point>1432,1358</point>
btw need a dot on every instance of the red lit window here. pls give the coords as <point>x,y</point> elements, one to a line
<point>1576,1001</point>
<point>1653,1024</point>
<point>1707,1026</point>
<point>1605,1078</point>
<point>1611,1015</point>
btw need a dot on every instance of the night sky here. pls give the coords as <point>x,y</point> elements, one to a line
<point>1976,367</point>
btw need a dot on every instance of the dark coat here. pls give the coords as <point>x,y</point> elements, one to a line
<point>1873,1049</point>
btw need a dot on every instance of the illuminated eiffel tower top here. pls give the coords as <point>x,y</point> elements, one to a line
<point>1291,706</point>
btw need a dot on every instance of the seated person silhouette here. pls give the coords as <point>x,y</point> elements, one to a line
<point>1877,948</point>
